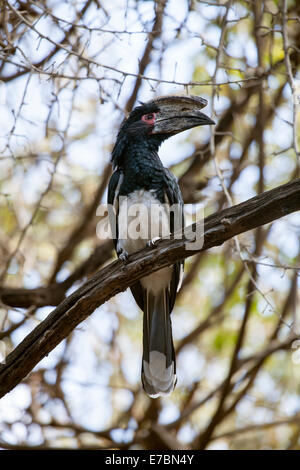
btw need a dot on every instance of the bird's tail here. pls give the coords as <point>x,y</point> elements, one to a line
<point>158,368</point>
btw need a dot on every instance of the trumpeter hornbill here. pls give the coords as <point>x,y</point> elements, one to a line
<point>140,178</point>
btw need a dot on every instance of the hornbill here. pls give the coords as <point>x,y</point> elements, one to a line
<point>140,181</point>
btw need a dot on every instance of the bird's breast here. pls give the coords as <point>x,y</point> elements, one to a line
<point>141,217</point>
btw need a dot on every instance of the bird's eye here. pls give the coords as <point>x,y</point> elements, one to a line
<point>149,118</point>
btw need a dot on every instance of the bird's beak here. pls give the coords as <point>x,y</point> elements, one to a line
<point>179,113</point>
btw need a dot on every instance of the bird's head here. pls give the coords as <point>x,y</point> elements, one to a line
<point>159,119</point>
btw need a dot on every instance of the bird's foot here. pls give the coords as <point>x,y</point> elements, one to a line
<point>151,243</point>
<point>123,255</point>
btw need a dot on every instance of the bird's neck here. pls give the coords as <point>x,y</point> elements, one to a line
<point>140,155</point>
<point>143,151</point>
<point>142,168</point>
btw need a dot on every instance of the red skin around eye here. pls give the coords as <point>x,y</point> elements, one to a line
<point>149,121</point>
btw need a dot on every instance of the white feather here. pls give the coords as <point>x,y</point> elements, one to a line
<point>158,375</point>
<point>142,211</point>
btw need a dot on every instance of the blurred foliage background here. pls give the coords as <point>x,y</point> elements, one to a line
<point>69,72</point>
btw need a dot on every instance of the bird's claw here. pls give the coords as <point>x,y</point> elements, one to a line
<point>151,243</point>
<point>123,256</point>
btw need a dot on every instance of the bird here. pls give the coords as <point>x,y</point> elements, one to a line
<point>139,180</point>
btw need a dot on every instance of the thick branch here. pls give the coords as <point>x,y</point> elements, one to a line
<point>116,277</point>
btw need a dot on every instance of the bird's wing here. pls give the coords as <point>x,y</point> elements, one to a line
<point>113,201</point>
<point>173,196</point>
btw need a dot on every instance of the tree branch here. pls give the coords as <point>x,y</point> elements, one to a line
<point>116,277</point>
<point>55,293</point>
<point>144,62</point>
